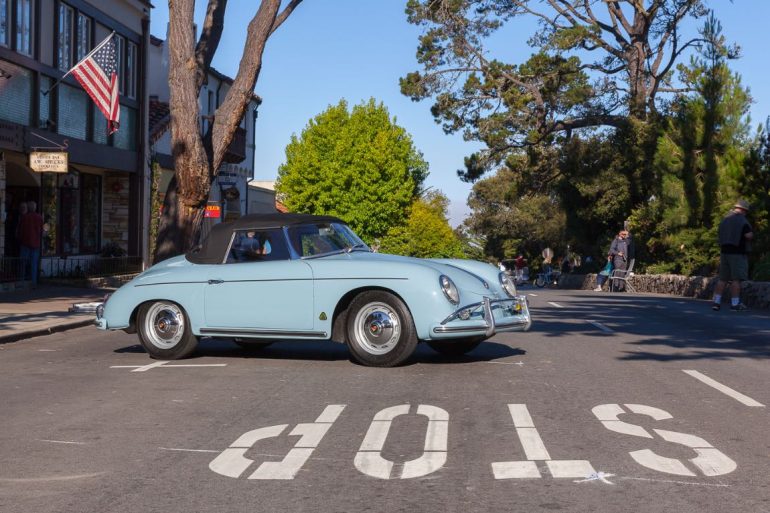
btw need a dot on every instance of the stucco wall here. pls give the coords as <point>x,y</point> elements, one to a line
<point>755,294</point>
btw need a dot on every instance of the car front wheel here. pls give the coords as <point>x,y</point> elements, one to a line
<point>456,347</point>
<point>380,330</point>
<point>164,331</point>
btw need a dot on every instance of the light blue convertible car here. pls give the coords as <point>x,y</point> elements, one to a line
<point>300,277</point>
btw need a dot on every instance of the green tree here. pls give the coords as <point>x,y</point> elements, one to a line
<point>754,185</point>
<point>427,233</point>
<point>595,64</point>
<point>356,164</point>
<point>514,221</point>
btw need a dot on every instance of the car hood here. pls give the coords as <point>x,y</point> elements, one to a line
<point>463,273</point>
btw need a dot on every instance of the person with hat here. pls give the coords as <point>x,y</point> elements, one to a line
<point>735,234</point>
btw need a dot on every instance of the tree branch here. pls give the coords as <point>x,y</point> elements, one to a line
<point>213,24</point>
<point>285,14</point>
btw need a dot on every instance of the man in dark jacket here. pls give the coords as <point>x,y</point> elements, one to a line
<point>735,236</point>
<point>619,255</point>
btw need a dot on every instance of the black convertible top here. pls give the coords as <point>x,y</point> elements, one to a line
<point>213,249</point>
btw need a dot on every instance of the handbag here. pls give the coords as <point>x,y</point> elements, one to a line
<point>607,269</point>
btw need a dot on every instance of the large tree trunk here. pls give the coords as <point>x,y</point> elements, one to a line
<point>197,157</point>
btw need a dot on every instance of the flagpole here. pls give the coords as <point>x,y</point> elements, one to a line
<point>98,47</point>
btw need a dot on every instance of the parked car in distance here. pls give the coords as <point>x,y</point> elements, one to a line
<point>273,277</point>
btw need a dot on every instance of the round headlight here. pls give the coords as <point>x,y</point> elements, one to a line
<point>507,283</point>
<point>449,289</point>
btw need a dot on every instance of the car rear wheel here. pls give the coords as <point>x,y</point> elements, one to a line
<point>456,347</point>
<point>164,331</point>
<point>380,330</point>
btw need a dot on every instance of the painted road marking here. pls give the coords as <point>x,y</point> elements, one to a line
<point>744,399</point>
<point>598,476</point>
<point>710,461</point>
<point>535,450</point>
<point>62,442</point>
<point>718,485</point>
<point>187,450</point>
<point>164,365</point>
<point>369,459</point>
<point>533,295</point>
<point>232,462</point>
<point>557,305</point>
<point>601,326</point>
<point>508,363</point>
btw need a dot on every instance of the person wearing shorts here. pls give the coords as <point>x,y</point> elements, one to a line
<point>735,234</point>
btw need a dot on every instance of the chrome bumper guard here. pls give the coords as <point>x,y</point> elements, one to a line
<point>517,307</point>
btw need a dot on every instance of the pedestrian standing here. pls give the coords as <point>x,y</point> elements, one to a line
<point>735,235</point>
<point>619,255</point>
<point>30,233</point>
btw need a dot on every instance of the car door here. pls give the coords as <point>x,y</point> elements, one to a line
<point>259,289</point>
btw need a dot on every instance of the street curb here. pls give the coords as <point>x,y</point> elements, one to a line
<point>32,333</point>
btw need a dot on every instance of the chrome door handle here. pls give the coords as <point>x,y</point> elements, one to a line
<point>216,282</point>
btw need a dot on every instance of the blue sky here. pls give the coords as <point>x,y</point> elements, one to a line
<point>357,49</point>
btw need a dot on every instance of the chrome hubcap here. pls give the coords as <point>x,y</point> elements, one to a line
<point>164,325</point>
<point>377,328</point>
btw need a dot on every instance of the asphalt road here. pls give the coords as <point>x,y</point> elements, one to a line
<point>606,405</point>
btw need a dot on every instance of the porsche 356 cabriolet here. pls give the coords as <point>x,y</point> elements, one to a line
<point>273,277</point>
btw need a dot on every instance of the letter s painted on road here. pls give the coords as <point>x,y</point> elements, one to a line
<point>710,461</point>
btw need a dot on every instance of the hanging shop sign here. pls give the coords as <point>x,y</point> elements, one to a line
<point>213,211</point>
<point>49,161</point>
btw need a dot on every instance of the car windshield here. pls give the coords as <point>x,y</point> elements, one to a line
<point>310,240</point>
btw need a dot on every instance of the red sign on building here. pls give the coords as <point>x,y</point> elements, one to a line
<point>214,211</point>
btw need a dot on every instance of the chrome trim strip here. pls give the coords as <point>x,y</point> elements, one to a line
<point>257,333</point>
<point>476,329</point>
<point>489,318</point>
<point>492,302</point>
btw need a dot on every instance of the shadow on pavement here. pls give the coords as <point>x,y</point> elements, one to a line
<point>331,351</point>
<point>663,328</point>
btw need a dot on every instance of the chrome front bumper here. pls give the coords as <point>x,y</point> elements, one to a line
<point>100,322</point>
<point>479,318</point>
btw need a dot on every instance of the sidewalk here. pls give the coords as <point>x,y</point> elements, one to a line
<point>45,310</point>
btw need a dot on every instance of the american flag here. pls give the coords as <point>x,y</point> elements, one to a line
<point>98,74</point>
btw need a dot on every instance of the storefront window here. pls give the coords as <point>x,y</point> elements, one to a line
<point>16,94</point>
<point>5,22</point>
<point>72,206</point>
<point>73,110</point>
<point>45,102</point>
<point>66,26</point>
<point>84,37</point>
<point>69,217</point>
<point>125,137</point>
<point>90,197</point>
<point>100,128</point>
<point>24,26</point>
<point>49,211</point>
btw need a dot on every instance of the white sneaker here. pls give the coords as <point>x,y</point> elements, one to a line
<point>598,289</point>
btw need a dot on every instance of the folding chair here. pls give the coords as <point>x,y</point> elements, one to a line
<point>624,276</point>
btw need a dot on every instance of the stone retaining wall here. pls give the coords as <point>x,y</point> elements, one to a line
<point>755,294</point>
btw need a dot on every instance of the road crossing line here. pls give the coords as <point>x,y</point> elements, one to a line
<point>744,399</point>
<point>557,305</point>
